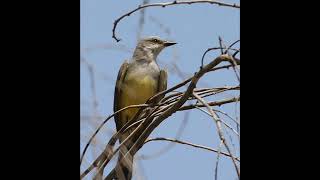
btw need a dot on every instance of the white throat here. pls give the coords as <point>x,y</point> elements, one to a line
<point>145,53</point>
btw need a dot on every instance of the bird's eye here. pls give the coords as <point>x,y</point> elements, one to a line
<point>155,40</point>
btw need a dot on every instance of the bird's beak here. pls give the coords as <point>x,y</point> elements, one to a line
<point>169,43</point>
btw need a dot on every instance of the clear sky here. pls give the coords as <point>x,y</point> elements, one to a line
<point>195,28</point>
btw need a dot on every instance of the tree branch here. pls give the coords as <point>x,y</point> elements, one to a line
<point>219,129</point>
<point>189,144</point>
<point>164,5</point>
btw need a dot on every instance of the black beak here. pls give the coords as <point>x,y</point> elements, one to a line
<point>168,43</point>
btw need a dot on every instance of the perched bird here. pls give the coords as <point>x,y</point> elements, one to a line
<point>137,81</point>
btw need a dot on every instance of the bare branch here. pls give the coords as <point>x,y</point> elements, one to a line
<point>140,7</point>
<point>217,162</point>
<point>169,146</point>
<point>214,103</point>
<point>220,48</point>
<point>230,47</point>
<point>234,120</point>
<point>227,125</point>
<point>219,129</point>
<point>189,144</point>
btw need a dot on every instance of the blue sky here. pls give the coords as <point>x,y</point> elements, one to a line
<point>195,28</point>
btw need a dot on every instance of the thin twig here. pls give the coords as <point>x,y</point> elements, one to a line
<point>213,103</point>
<point>169,146</point>
<point>217,162</point>
<point>235,68</point>
<point>212,49</point>
<point>227,125</point>
<point>222,46</point>
<point>140,7</point>
<point>189,144</point>
<point>219,129</point>
<point>230,47</point>
<point>234,120</point>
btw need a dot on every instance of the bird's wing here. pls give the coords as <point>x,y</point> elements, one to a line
<point>162,83</point>
<point>118,92</point>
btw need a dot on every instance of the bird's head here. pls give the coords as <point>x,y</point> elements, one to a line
<point>151,46</point>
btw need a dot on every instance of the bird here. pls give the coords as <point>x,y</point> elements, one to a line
<point>138,79</point>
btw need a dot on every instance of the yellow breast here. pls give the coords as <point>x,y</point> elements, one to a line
<point>137,90</point>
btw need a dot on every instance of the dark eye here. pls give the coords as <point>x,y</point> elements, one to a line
<point>155,40</point>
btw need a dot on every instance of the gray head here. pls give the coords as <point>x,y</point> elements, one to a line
<point>150,47</point>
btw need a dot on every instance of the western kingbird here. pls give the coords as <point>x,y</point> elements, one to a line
<point>137,81</point>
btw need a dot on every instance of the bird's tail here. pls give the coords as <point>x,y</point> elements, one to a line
<point>123,170</point>
<point>124,167</point>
